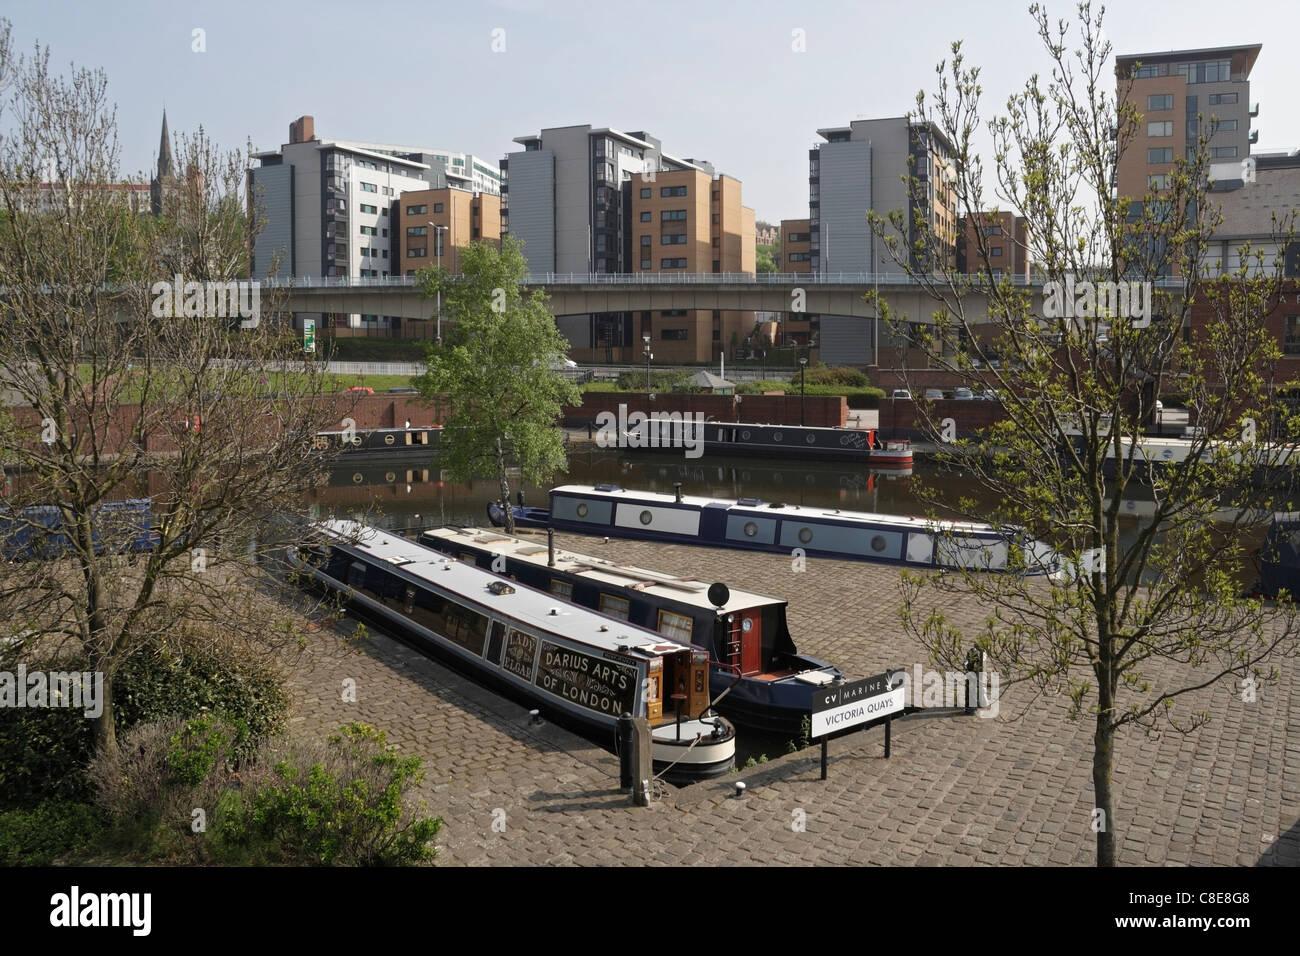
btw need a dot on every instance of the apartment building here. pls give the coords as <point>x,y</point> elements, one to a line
<point>1006,241</point>
<point>800,328</point>
<point>433,226</point>
<point>326,208</point>
<point>1178,93</point>
<point>587,199</point>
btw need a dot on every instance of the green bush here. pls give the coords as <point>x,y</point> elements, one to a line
<point>832,375</point>
<point>56,830</point>
<point>44,752</point>
<point>661,380</point>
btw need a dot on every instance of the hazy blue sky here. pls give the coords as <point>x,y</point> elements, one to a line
<point>713,80</point>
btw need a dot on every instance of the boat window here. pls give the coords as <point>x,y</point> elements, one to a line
<point>805,535</point>
<point>676,626</point>
<point>562,589</point>
<point>751,529</point>
<point>646,517</point>
<point>614,606</point>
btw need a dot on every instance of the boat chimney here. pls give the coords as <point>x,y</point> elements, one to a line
<point>677,490</point>
<point>550,547</point>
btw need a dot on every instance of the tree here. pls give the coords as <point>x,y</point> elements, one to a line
<point>500,374</point>
<point>116,394</point>
<point>764,259</point>
<point>1144,612</point>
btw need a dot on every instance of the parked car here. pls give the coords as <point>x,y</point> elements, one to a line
<point>900,393</point>
<point>963,394</point>
<point>991,395</point>
<point>933,394</point>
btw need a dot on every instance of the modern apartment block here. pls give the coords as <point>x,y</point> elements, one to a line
<point>326,208</point>
<point>1178,93</point>
<point>1245,212</point>
<point>796,257</point>
<point>1006,239</point>
<point>434,225</point>
<point>589,199</point>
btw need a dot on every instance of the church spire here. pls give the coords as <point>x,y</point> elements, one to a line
<point>164,179</point>
<point>164,151</point>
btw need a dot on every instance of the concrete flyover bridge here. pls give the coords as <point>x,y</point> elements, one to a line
<point>837,293</point>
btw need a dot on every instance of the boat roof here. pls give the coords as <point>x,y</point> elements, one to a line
<point>624,576</point>
<point>767,509</point>
<point>833,429</point>
<point>525,604</point>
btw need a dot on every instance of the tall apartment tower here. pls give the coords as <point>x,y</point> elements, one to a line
<point>593,199</point>
<point>326,208</point>
<point>1171,90</point>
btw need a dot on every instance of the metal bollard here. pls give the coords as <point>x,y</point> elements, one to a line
<point>626,757</point>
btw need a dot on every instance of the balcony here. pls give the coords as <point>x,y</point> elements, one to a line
<point>1254,109</point>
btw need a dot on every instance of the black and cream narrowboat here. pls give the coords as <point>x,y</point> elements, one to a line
<point>571,662</point>
<point>768,685</point>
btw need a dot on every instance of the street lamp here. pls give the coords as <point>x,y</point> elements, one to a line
<point>648,356</point>
<point>437,247</point>
<point>803,366</point>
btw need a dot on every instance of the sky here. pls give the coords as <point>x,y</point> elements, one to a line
<point>732,83</point>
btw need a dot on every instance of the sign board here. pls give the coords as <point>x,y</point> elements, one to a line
<point>857,702</point>
<point>309,336</point>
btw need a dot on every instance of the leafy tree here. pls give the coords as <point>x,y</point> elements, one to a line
<point>765,259</point>
<point>499,374</point>
<point>113,397</point>
<point>1145,612</point>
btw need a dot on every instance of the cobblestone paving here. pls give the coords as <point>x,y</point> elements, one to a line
<point>957,790</point>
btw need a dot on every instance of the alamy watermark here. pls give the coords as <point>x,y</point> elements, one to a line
<point>980,690</point>
<point>208,300</point>
<point>82,689</point>
<point>656,430</point>
<point>1087,300</point>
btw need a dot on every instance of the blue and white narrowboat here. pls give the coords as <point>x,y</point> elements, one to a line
<point>753,524</point>
<point>757,675</point>
<point>573,663</point>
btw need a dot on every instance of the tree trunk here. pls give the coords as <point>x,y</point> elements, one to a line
<point>105,728</point>
<point>1103,758</point>
<point>505,488</point>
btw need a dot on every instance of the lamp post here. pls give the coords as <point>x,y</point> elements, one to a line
<point>648,356</point>
<point>803,365</point>
<point>437,247</point>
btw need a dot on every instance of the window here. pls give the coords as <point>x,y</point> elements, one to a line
<point>995,250</point>
<point>645,264</point>
<point>715,242</point>
<point>1158,182</point>
<point>676,626</point>
<point>437,207</point>
<point>1225,126</point>
<point>369,188</point>
<point>614,606</point>
<point>1160,101</point>
<point>1161,154</point>
<point>368,231</point>
<point>672,312</point>
<point>1291,335</point>
<point>673,215</point>
<point>1223,99</point>
<point>1143,72</point>
<point>800,256</point>
<point>370,209</point>
<point>1165,128</point>
<point>673,335</point>
<point>672,263</point>
<point>646,217</point>
<point>414,230</point>
<point>716,220</point>
<point>562,589</point>
<point>645,240</point>
<point>715,195</point>
<point>645,194</point>
<point>417,210</point>
<point>677,239</point>
<point>1223,152</point>
<point>798,237</point>
<point>416,252</point>
<point>666,191</point>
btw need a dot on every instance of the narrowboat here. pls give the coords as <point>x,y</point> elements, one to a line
<point>385,440</point>
<point>757,676</point>
<point>1279,557</point>
<point>797,442</point>
<point>38,532</point>
<point>752,524</point>
<point>578,665</point>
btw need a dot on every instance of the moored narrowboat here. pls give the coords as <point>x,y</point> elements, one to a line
<point>763,680</point>
<point>379,440</point>
<point>794,442</point>
<point>574,664</point>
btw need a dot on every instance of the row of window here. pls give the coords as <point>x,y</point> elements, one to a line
<point>416,252</point>
<point>423,209</point>
<point>373,253</point>
<point>665,192</point>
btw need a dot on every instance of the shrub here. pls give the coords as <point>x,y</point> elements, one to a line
<point>833,375</point>
<point>56,830</point>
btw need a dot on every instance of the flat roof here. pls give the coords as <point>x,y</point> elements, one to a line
<point>1250,49</point>
<point>528,605</point>
<point>658,583</point>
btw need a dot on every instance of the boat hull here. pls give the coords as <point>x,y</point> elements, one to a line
<point>786,442</point>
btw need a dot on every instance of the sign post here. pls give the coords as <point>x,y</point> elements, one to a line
<point>857,702</point>
<point>309,336</point>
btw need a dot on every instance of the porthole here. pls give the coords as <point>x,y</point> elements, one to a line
<point>746,625</point>
<point>810,438</point>
<point>745,434</point>
<point>389,439</point>
<point>582,510</point>
<point>358,478</point>
<point>390,477</point>
<point>805,535</point>
<point>776,436</point>
<point>751,529</point>
<point>878,543</point>
<point>646,517</point>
